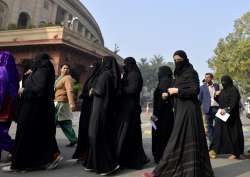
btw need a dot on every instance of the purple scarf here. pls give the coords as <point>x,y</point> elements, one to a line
<point>9,76</point>
<point>3,84</point>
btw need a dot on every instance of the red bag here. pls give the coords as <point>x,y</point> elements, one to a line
<point>7,110</point>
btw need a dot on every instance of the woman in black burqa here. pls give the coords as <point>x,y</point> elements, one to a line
<point>128,123</point>
<point>186,153</point>
<point>163,115</point>
<point>82,148</point>
<point>35,144</point>
<point>228,136</point>
<point>102,158</point>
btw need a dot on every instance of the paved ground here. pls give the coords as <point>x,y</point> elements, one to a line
<point>69,168</point>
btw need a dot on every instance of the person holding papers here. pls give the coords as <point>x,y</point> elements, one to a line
<point>228,137</point>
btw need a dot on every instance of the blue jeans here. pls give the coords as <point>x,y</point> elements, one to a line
<point>210,119</point>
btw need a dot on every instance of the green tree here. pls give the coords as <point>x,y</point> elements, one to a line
<point>232,54</point>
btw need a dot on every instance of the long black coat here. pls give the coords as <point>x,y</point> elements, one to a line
<point>163,110</point>
<point>83,139</point>
<point>102,157</point>
<point>228,136</point>
<point>35,142</point>
<point>129,136</point>
<point>186,154</point>
<point>82,148</point>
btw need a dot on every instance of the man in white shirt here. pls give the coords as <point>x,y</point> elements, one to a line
<point>209,104</point>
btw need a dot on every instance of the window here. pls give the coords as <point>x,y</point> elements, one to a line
<point>46,4</point>
<point>60,16</point>
<point>80,27</point>
<point>23,20</point>
<point>70,17</point>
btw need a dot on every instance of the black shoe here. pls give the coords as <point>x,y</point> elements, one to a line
<point>71,144</point>
<point>109,172</point>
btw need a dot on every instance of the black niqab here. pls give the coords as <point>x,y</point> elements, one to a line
<point>90,80</point>
<point>179,66</point>
<point>226,81</point>
<point>130,66</point>
<point>165,77</point>
<point>41,60</point>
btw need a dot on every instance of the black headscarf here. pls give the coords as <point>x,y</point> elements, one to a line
<point>229,90</point>
<point>165,77</point>
<point>179,66</point>
<point>42,60</point>
<point>90,79</point>
<point>109,63</point>
<point>131,66</point>
<point>226,81</point>
<point>93,72</point>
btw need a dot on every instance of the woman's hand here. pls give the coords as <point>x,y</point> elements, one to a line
<point>222,112</point>
<point>217,93</point>
<point>173,91</point>
<point>164,95</point>
<point>91,92</point>
<point>28,72</point>
<point>20,91</point>
<point>72,107</point>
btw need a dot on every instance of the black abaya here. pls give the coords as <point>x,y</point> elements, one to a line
<point>102,157</point>
<point>186,153</point>
<point>86,108</point>
<point>163,110</point>
<point>228,136</point>
<point>101,154</point>
<point>129,135</point>
<point>35,142</point>
<point>82,147</point>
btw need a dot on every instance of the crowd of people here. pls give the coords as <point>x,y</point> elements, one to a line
<point>110,136</point>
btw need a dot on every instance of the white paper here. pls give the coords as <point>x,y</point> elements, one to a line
<point>222,117</point>
<point>153,125</point>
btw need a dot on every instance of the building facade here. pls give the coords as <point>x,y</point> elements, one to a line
<point>63,28</point>
<point>35,13</point>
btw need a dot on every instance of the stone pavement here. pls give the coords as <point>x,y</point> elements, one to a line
<point>69,168</point>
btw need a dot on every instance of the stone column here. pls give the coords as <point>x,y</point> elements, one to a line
<point>66,19</point>
<point>84,31</point>
<point>14,12</point>
<point>53,12</point>
<point>75,25</point>
<point>35,19</point>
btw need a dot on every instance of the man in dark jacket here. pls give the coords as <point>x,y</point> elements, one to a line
<point>209,105</point>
